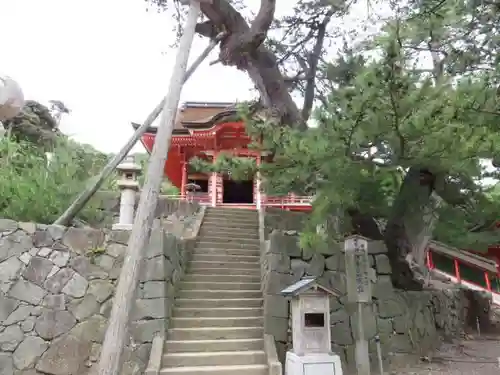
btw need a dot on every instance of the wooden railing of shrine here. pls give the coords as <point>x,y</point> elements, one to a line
<point>267,201</point>
<point>465,268</point>
<point>289,199</point>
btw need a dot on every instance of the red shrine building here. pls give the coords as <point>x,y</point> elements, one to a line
<point>206,130</point>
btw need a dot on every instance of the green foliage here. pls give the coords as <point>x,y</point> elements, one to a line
<point>240,168</point>
<point>166,187</point>
<point>31,189</point>
<point>381,117</point>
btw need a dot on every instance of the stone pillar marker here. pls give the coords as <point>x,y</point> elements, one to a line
<point>128,184</point>
<point>359,293</point>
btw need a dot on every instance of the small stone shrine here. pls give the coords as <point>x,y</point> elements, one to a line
<point>311,348</point>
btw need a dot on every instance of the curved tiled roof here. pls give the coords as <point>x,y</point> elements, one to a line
<point>200,115</point>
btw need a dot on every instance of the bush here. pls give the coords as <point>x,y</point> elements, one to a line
<point>34,187</point>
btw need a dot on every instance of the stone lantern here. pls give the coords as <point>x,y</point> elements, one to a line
<point>311,352</point>
<point>128,184</point>
<point>11,98</point>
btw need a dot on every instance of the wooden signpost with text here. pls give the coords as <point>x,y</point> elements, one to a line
<point>359,293</point>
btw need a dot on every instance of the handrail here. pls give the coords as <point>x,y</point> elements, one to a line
<point>269,201</point>
<point>473,259</point>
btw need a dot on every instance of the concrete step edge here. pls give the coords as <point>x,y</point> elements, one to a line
<point>228,262</point>
<point>192,329</point>
<point>219,354</point>
<point>215,309</point>
<point>218,222</point>
<point>226,245</point>
<point>221,283</point>
<point>236,341</point>
<point>229,291</point>
<point>185,319</point>
<point>214,369</point>
<point>223,236</point>
<point>218,299</point>
<point>205,276</point>
<point>226,252</point>
<point>231,257</point>
<point>223,268</point>
<point>203,240</point>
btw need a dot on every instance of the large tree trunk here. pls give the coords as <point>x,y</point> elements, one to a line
<point>410,225</point>
<point>243,49</point>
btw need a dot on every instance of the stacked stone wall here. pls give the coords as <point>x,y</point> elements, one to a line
<point>108,202</point>
<point>56,289</point>
<point>406,322</point>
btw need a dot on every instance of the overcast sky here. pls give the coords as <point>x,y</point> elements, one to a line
<point>109,61</point>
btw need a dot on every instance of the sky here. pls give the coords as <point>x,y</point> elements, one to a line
<point>109,61</point>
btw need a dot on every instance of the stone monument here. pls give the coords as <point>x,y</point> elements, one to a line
<point>311,352</point>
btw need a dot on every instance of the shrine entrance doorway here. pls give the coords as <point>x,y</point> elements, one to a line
<point>237,192</point>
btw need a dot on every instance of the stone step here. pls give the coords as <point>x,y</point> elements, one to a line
<point>215,333</point>
<point>232,213</point>
<point>182,322</point>
<point>190,346</point>
<point>225,271</point>
<point>201,256</point>
<point>217,251</point>
<point>230,358</point>
<point>221,224</point>
<point>221,244</point>
<point>217,370</point>
<point>217,222</point>
<point>221,294</point>
<point>196,264</point>
<point>222,232</point>
<point>190,285</point>
<point>229,239</point>
<point>235,278</point>
<point>217,302</point>
<point>217,312</point>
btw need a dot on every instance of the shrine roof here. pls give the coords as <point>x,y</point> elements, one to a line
<point>200,115</point>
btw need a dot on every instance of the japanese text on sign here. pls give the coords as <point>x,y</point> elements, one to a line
<point>357,267</point>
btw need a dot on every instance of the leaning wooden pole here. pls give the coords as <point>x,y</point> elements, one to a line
<point>85,196</point>
<point>117,331</point>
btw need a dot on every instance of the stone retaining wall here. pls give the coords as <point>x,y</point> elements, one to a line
<point>407,322</point>
<point>56,288</point>
<point>109,205</point>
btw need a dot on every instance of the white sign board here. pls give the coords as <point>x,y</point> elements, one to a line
<point>357,269</point>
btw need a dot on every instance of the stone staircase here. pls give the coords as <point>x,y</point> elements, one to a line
<point>217,325</point>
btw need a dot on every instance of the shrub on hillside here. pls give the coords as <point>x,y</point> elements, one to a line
<point>38,187</point>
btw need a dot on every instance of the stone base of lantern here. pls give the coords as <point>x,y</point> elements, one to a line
<point>313,364</point>
<point>119,226</point>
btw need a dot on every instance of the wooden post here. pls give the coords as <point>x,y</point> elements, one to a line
<point>457,270</point>
<point>487,280</point>
<point>184,179</point>
<point>117,332</point>
<point>85,196</point>
<point>359,293</point>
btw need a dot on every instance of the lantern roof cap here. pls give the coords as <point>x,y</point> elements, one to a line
<point>128,165</point>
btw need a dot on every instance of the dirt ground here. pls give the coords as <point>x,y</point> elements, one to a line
<point>473,355</point>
